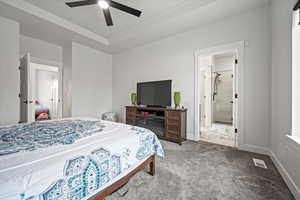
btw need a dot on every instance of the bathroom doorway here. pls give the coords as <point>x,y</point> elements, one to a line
<point>217,100</point>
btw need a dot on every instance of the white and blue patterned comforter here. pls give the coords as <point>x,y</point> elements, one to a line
<point>69,159</point>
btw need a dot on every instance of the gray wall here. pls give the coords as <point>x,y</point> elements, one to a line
<point>91,82</point>
<point>9,73</point>
<point>285,150</point>
<point>67,81</point>
<point>40,49</point>
<point>173,58</point>
<point>87,81</point>
<point>296,72</point>
<point>87,74</point>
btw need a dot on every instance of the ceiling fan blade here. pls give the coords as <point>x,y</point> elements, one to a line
<point>107,16</point>
<point>125,8</point>
<point>82,3</point>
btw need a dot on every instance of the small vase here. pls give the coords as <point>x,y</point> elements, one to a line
<point>177,99</point>
<point>133,98</point>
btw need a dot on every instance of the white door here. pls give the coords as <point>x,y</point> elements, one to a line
<point>205,91</point>
<point>26,102</point>
<point>235,99</point>
<point>208,94</point>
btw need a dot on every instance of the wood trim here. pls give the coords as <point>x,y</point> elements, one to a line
<point>106,192</point>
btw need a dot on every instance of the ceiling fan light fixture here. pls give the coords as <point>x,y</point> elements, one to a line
<point>103,4</point>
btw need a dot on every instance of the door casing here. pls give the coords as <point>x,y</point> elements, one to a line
<point>238,48</point>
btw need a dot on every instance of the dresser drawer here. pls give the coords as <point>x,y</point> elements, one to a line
<point>173,115</point>
<point>173,122</point>
<point>130,121</point>
<point>130,115</point>
<point>173,134</point>
<point>173,127</point>
<point>131,111</point>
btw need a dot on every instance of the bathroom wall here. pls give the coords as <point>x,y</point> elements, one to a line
<point>223,62</point>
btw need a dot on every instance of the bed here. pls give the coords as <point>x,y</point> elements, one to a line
<point>72,158</point>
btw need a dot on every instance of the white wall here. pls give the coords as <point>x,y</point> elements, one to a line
<point>9,73</point>
<point>91,82</point>
<point>40,49</point>
<point>296,73</point>
<point>173,58</point>
<point>67,81</point>
<point>285,151</point>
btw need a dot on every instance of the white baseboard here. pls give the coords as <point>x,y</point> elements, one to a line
<point>287,178</point>
<point>283,172</point>
<point>254,149</point>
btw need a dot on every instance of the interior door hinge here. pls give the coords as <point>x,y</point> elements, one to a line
<point>19,67</point>
<point>236,61</point>
<point>236,130</point>
<point>236,96</point>
<point>19,95</point>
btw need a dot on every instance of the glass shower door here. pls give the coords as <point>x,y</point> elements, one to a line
<point>223,97</point>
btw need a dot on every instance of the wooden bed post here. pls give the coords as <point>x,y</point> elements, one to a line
<point>152,167</point>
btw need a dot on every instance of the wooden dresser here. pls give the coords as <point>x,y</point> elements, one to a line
<point>168,124</point>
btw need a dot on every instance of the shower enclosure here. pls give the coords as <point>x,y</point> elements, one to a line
<point>222,105</point>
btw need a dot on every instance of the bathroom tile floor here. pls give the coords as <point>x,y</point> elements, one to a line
<point>218,134</point>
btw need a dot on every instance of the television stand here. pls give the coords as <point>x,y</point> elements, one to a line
<point>167,123</point>
<point>150,106</point>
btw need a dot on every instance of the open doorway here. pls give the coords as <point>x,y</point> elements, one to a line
<point>217,98</point>
<point>40,91</point>
<point>217,102</point>
<point>45,91</point>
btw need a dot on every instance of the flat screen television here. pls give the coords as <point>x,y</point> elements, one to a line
<point>154,94</point>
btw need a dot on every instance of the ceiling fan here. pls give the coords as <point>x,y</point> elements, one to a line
<point>105,5</point>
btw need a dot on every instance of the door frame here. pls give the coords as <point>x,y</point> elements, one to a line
<point>60,78</point>
<point>239,48</point>
<point>24,92</point>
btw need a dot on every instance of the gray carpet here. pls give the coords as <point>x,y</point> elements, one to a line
<point>203,171</point>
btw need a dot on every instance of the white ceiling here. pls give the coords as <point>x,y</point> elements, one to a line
<point>91,17</point>
<point>160,18</point>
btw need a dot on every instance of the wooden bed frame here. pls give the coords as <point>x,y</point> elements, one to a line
<point>106,192</point>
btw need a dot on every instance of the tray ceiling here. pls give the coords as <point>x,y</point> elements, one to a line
<point>91,17</point>
<point>160,18</point>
